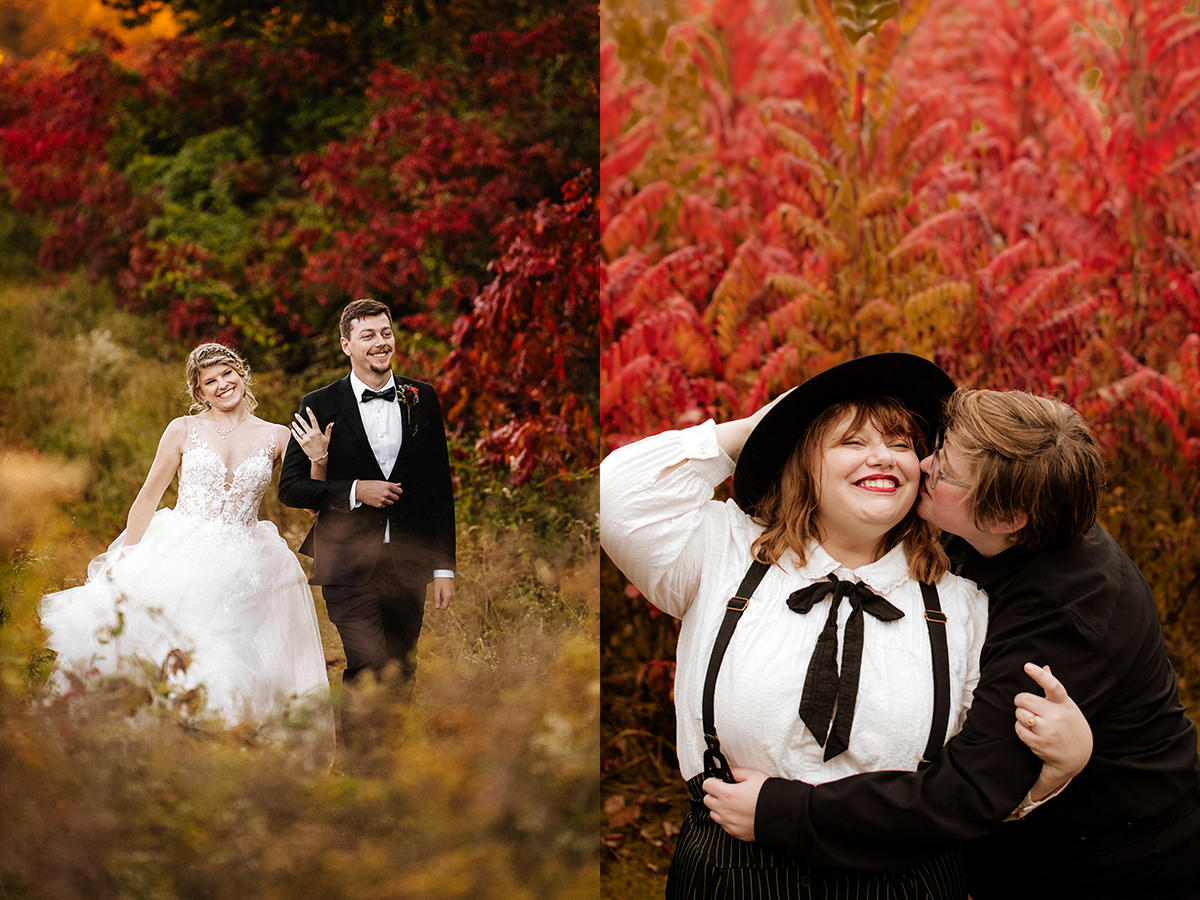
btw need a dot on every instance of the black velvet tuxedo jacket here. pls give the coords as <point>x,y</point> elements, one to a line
<point>345,544</point>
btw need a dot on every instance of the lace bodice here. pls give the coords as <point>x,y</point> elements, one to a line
<point>209,490</point>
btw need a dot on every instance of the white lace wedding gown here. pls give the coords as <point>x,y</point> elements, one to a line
<point>207,578</point>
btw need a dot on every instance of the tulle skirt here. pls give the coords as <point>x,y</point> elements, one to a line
<point>205,603</point>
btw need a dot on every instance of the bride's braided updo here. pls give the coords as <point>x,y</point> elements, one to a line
<point>213,354</point>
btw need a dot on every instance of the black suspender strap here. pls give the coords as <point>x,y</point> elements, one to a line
<point>935,620</point>
<point>715,765</point>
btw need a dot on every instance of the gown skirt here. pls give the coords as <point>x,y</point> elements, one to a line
<point>231,597</point>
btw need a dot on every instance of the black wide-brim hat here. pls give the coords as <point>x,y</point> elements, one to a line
<point>921,386</point>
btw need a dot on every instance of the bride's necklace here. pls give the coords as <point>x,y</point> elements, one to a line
<point>226,432</point>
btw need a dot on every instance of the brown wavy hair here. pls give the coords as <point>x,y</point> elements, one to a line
<point>789,508</point>
<point>213,354</point>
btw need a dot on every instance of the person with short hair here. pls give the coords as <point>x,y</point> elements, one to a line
<point>1016,481</point>
<point>821,631</point>
<point>385,510</point>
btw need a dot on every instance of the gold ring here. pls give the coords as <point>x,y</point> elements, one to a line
<point>1031,722</point>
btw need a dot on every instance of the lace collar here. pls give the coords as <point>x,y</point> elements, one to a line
<point>884,576</point>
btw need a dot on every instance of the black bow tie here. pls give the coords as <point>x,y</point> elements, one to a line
<point>388,394</point>
<point>822,685</point>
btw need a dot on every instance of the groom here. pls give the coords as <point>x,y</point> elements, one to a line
<point>385,514</point>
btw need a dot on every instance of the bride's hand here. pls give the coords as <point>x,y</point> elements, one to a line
<point>308,434</point>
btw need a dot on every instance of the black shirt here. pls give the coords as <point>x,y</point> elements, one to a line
<point>1087,612</point>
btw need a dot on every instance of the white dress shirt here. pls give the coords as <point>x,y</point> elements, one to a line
<point>687,553</point>
<point>384,427</point>
<point>383,424</point>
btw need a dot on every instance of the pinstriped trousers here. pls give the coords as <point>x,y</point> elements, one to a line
<point>708,864</point>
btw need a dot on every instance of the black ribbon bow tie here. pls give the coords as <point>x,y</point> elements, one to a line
<point>388,394</point>
<point>822,685</point>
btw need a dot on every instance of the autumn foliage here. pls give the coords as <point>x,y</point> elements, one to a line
<point>1008,189</point>
<point>523,371</point>
<point>242,190</point>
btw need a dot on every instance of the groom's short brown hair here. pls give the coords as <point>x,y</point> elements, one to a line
<point>360,309</point>
<point>1031,455</point>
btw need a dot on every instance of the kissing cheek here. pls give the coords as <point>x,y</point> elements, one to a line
<point>871,482</point>
<point>882,496</point>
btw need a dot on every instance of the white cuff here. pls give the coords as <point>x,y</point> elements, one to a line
<point>700,443</point>
<point>354,504</point>
<point>1028,805</point>
<point>443,573</point>
<point>698,446</point>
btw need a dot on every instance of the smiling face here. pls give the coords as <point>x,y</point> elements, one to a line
<point>221,387</point>
<point>867,481</point>
<point>370,347</point>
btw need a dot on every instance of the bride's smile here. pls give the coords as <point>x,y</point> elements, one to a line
<point>222,387</point>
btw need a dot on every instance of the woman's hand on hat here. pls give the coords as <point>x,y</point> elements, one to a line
<point>732,806</point>
<point>757,417</point>
<point>732,435</point>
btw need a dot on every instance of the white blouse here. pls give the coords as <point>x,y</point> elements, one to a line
<point>687,553</point>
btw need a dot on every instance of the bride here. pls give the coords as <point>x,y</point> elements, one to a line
<point>206,590</point>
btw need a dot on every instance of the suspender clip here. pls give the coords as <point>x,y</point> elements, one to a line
<point>935,615</point>
<point>715,764</point>
<point>738,604</point>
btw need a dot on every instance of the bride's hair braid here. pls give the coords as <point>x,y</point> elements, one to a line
<point>213,354</point>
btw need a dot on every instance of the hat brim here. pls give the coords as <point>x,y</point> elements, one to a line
<point>920,385</point>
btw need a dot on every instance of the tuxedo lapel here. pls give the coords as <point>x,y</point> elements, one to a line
<point>409,426</point>
<point>347,405</point>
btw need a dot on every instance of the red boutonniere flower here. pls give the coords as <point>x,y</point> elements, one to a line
<point>407,396</point>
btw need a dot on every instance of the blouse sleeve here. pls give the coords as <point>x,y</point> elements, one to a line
<point>658,519</point>
<point>977,604</point>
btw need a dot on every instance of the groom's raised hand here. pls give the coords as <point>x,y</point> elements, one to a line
<point>377,493</point>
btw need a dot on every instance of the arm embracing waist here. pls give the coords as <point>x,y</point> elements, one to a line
<point>876,820</point>
<point>883,819</point>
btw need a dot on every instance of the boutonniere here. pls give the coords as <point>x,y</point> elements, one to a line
<point>407,396</point>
